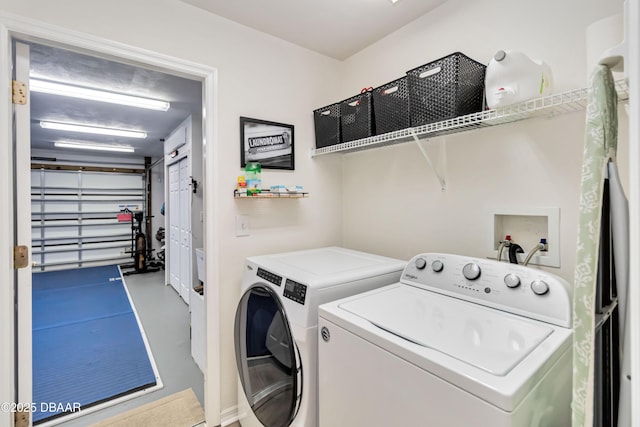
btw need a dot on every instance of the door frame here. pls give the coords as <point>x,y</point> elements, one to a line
<point>16,27</point>
<point>632,71</point>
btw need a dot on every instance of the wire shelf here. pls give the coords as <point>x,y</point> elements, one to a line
<point>552,105</point>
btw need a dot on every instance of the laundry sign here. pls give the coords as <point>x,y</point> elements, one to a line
<point>269,143</point>
<point>263,144</point>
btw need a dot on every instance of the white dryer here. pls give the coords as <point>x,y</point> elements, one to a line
<point>459,341</point>
<point>276,327</point>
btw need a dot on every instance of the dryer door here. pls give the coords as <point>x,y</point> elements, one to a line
<point>268,361</point>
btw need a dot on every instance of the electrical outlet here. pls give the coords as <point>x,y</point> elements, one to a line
<point>242,225</point>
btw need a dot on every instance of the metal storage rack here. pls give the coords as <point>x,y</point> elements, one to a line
<point>548,106</point>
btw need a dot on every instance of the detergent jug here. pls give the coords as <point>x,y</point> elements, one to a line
<point>513,77</point>
<point>253,178</point>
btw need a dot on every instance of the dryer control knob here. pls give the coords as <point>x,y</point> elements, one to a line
<point>471,271</point>
<point>539,287</point>
<point>511,280</point>
<point>421,263</point>
<point>437,266</point>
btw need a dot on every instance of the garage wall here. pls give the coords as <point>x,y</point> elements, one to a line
<point>258,76</point>
<point>75,217</point>
<point>392,201</point>
<point>70,207</point>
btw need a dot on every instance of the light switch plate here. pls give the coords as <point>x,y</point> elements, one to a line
<point>242,225</point>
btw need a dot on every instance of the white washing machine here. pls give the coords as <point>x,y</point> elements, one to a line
<point>276,327</point>
<point>458,342</point>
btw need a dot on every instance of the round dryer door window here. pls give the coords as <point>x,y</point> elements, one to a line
<point>267,357</point>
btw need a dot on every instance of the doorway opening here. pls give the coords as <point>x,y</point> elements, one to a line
<point>50,248</point>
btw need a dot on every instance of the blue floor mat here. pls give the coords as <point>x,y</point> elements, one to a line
<point>87,346</point>
<point>79,276</point>
<point>78,304</point>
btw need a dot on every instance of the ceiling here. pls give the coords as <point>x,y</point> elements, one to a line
<point>66,66</point>
<point>335,28</point>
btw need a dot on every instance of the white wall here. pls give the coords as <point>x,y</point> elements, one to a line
<point>258,76</point>
<point>392,202</point>
<point>548,30</point>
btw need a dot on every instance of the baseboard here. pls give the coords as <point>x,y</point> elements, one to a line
<point>229,416</point>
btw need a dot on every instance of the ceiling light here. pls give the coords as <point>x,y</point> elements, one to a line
<point>96,95</point>
<point>94,146</point>
<point>93,129</point>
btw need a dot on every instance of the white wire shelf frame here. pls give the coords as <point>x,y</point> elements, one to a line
<point>552,105</point>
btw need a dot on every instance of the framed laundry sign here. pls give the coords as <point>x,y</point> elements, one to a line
<point>268,143</point>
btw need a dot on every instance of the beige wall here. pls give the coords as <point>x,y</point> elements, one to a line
<point>258,76</point>
<point>392,202</point>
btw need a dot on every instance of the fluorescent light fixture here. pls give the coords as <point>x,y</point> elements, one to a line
<point>94,146</point>
<point>93,129</point>
<point>54,88</point>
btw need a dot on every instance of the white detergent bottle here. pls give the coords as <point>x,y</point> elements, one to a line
<point>513,77</point>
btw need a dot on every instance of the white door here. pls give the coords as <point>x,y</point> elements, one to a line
<point>173,212</point>
<point>185,229</point>
<point>22,168</point>
<point>180,228</point>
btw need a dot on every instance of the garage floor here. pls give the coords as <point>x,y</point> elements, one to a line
<point>165,318</point>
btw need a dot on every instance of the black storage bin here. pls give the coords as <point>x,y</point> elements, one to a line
<point>356,117</point>
<point>327,124</point>
<point>391,106</point>
<point>449,87</point>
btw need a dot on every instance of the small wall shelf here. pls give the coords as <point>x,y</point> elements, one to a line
<point>268,194</point>
<point>560,103</point>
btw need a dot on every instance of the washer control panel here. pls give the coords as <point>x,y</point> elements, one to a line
<point>269,276</point>
<point>509,287</point>
<point>295,291</point>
